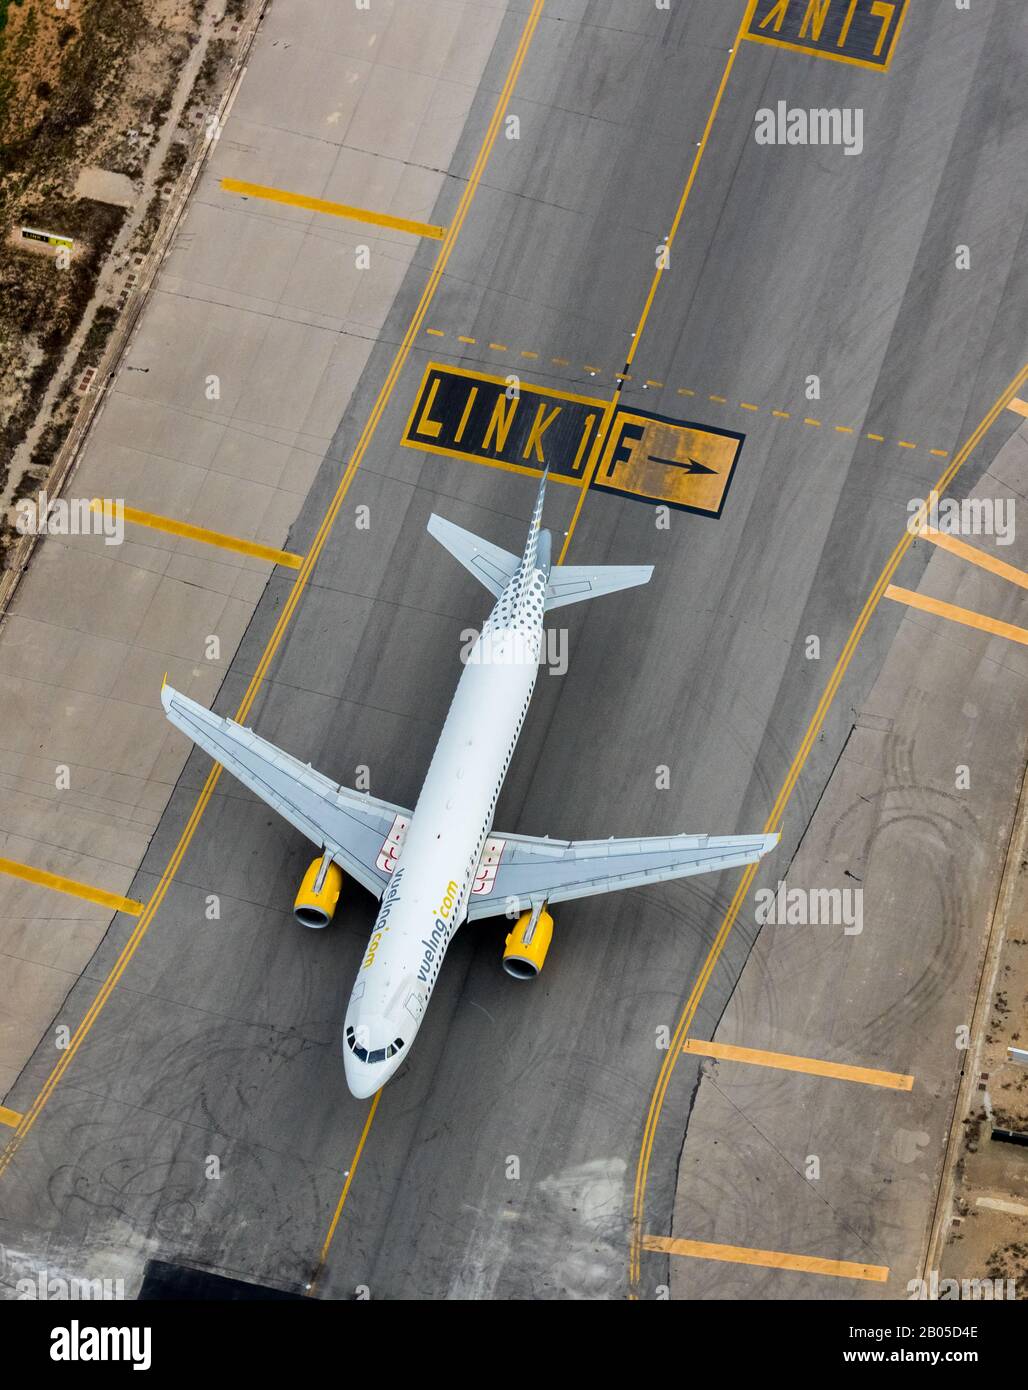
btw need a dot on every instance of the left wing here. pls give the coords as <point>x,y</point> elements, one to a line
<point>517,871</point>
<point>363,833</point>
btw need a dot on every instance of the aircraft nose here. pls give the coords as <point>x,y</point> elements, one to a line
<point>364,1078</point>
<point>361,1079</point>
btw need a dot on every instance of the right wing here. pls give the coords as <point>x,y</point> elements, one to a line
<point>517,871</point>
<point>363,833</point>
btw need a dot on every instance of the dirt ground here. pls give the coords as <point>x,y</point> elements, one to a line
<point>86,86</point>
<point>989,1234</point>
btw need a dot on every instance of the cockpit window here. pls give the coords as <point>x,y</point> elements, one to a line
<point>379,1054</point>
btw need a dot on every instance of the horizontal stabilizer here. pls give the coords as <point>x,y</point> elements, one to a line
<point>491,565</point>
<point>574,583</point>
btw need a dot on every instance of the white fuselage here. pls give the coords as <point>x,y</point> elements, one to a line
<point>427,897</point>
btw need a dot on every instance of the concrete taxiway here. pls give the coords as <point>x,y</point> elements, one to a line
<point>503,1161</point>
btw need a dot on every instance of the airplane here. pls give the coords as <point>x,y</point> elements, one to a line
<point>443,863</point>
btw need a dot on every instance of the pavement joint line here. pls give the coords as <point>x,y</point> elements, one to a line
<point>812,1066</point>
<point>774,822</point>
<point>964,616</point>
<point>769,1259</point>
<point>346,210</point>
<point>57,883</point>
<point>400,357</point>
<point>685,391</point>
<point>10,1117</point>
<point>976,556</point>
<point>204,535</point>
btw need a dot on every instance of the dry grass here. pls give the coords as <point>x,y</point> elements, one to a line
<point>86,86</point>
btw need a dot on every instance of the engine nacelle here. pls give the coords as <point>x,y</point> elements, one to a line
<point>526,946</point>
<point>316,901</point>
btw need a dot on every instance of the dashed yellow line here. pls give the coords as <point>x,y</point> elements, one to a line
<point>750,406</point>
<point>462,339</point>
<point>354,214</point>
<point>964,616</point>
<point>812,1066</point>
<point>10,1117</point>
<point>200,533</point>
<point>59,884</point>
<point>770,1259</point>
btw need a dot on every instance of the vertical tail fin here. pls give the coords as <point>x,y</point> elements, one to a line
<point>530,556</point>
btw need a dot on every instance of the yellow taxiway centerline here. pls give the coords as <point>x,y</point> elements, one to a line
<point>354,214</point>
<point>203,535</point>
<point>975,556</point>
<point>812,1066</point>
<point>770,1259</point>
<point>662,265</point>
<point>72,886</point>
<point>350,1175</point>
<point>964,616</point>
